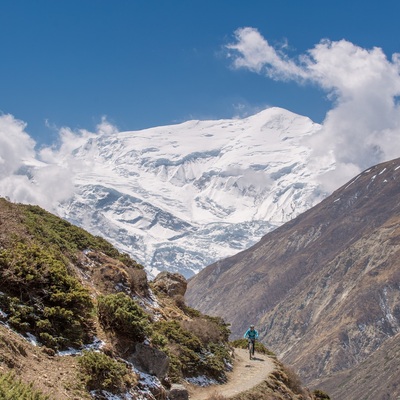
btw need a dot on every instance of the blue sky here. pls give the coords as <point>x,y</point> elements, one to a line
<point>148,63</point>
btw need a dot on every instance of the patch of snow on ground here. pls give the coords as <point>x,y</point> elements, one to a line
<point>152,299</point>
<point>353,181</point>
<point>146,382</point>
<point>202,381</point>
<point>96,346</point>
<point>32,339</point>
<point>111,396</point>
<point>150,304</point>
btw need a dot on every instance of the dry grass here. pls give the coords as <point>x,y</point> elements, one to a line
<point>264,392</point>
<point>207,331</point>
<point>217,396</point>
<point>293,381</point>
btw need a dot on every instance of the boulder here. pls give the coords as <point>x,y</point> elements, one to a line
<point>178,392</point>
<point>172,284</point>
<point>150,360</point>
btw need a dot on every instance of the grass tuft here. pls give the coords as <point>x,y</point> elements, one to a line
<point>12,388</point>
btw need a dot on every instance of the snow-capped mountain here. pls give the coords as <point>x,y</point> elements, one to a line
<point>180,197</point>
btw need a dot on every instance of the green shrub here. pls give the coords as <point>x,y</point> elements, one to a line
<point>175,333</point>
<point>215,360</point>
<point>102,372</point>
<point>191,312</point>
<point>12,388</point>
<point>190,355</point>
<point>122,315</point>
<point>182,347</point>
<point>40,294</point>
<point>55,232</point>
<point>159,340</point>
<point>41,297</point>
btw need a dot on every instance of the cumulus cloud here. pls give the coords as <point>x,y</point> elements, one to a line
<point>253,52</point>
<point>363,126</point>
<point>43,177</point>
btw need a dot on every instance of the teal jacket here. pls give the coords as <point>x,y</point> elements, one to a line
<point>251,334</point>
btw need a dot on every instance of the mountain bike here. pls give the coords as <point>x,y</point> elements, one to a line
<point>251,345</point>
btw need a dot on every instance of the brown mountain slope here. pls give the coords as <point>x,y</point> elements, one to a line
<point>374,378</point>
<point>323,289</point>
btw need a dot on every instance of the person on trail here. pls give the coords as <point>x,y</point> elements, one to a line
<point>251,334</point>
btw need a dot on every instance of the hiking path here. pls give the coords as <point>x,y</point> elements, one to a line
<point>245,375</point>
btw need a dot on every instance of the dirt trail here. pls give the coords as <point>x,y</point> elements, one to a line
<point>245,375</point>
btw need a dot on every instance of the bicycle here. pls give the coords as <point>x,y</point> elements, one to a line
<point>251,346</point>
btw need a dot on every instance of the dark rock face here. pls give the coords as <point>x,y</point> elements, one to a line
<point>150,360</point>
<point>172,284</point>
<point>323,289</point>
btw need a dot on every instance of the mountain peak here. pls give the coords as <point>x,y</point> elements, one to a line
<point>179,197</point>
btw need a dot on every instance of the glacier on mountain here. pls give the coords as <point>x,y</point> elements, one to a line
<point>180,197</point>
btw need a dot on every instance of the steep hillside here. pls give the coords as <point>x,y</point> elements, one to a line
<point>374,378</point>
<point>66,290</point>
<point>79,320</point>
<point>323,288</point>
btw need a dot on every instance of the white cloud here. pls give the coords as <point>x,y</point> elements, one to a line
<point>44,178</point>
<point>69,141</point>
<point>15,145</point>
<point>253,52</point>
<point>363,127</point>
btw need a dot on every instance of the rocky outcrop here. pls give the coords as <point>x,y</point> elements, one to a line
<point>111,275</point>
<point>178,392</point>
<point>172,284</point>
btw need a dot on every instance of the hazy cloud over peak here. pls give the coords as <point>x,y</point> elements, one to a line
<point>43,178</point>
<point>106,128</point>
